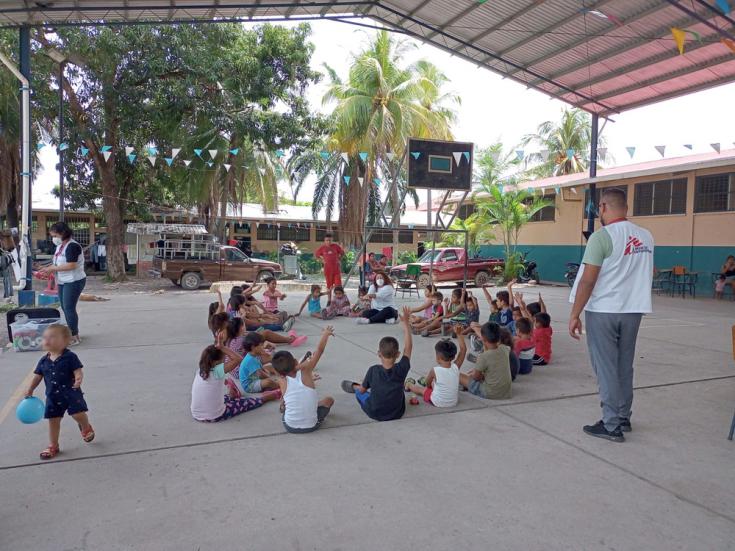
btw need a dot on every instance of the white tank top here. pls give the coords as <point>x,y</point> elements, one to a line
<point>68,276</point>
<point>301,404</point>
<point>624,283</point>
<point>446,386</point>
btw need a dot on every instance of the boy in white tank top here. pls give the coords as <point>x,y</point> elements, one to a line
<point>441,385</point>
<point>302,410</point>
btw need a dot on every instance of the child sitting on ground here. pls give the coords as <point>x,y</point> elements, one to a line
<point>302,409</point>
<point>472,315</point>
<point>507,339</point>
<point>208,400</point>
<point>491,377</point>
<point>434,322</point>
<point>542,335</point>
<point>362,304</point>
<point>61,372</point>
<point>314,301</point>
<point>455,312</point>
<point>339,305</point>
<point>425,311</point>
<point>254,376</point>
<point>272,295</point>
<point>255,320</point>
<point>523,346</point>
<point>381,394</point>
<point>442,383</point>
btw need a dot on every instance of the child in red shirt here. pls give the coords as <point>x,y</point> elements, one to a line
<point>542,338</point>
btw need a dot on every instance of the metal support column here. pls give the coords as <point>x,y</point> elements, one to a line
<point>24,36</point>
<point>61,140</point>
<point>591,210</point>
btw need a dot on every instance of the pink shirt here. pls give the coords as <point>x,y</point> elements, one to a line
<point>270,302</point>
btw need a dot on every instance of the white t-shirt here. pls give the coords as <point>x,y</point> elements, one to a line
<point>384,297</point>
<point>624,252</point>
<point>445,391</point>
<point>208,395</point>
<point>61,257</point>
<point>301,404</point>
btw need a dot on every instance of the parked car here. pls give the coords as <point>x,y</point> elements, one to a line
<point>449,266</point>
<point>217,263</point>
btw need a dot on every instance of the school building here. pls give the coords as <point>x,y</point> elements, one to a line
<point>688,203</point>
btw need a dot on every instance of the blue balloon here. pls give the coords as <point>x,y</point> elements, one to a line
<point>30,410</point>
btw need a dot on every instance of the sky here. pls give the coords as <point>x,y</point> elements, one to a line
<point>494,109</point>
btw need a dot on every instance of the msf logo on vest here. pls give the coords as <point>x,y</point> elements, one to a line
<point>635,246</point>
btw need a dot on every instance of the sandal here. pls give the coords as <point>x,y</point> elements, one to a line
<point>87,435</point>
<point>50,452</point>
<point>422,381</point>
<point>408,383</point>
<point>348,386</point>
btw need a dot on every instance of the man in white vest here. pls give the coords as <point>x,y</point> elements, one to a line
<point>613,287</point>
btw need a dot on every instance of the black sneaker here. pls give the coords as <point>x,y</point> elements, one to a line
<point>599,430</point>
<point>348,386</point>
<point>625,425</point>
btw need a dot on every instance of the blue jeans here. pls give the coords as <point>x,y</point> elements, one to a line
<point>68,297</point>
<point>362,397</point>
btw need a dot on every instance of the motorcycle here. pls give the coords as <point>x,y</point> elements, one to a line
<point>571,273</point>
<point>529,272</point>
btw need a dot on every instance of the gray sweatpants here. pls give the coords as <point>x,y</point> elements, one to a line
<point>611,343</point>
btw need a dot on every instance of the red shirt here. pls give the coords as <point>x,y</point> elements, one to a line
<point>331,255</point>
<point>542,339</point>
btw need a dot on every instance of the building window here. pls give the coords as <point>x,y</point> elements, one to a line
<point>715,193</point>
<point>292,232</point>
<point>321,231</point>
<point>596,201</point>
<point>267,232</point>
<point>241,228</point>
<point>664,197</point>
<point>405,237</point>
<point>381,236</point>
<point>546,214</point>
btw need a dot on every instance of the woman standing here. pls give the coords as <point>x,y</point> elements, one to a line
<point>68,267</point>
<point>382,305</point>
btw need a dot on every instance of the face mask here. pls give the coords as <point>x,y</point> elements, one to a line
<point>379,281</point>
<point>57,241</point>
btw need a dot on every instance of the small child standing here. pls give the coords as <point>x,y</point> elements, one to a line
<point>255,378</point>
<point>314,302</point>
<point>491,377</point>
<point>61,372</point>
<point>442,382</point>
<point>362,304</point>
<point>720,286</point>
<point>381,394</point>
<point>523,346</point>
<point>272,295</point>
<point>302,410</point>
<point>542,335</point>
<point>208,400</point>
<point>339,305</point>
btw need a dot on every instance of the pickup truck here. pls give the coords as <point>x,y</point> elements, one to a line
<point>449,266</point>
<point>221,264</point>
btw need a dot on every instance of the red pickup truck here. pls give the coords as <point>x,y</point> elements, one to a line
<point>449,265</point>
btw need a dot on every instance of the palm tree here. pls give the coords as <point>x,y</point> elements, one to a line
<point>477,231</point>
<point>565,145</point>
<point>377,108</point>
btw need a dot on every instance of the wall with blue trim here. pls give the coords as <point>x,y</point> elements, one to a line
<point>552,259</point>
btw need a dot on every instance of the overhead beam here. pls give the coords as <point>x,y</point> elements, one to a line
<point>460,15</point>
<point>504,22</point>
<point>694,15</point>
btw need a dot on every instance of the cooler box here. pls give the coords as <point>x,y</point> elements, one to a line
<point>45,299</point>
<point>27,333</point>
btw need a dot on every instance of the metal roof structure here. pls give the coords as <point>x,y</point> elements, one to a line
<point>604,56</point>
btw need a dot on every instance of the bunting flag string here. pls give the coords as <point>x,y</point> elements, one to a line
<point>40,146</point>
<point>152,151</point>
<point>557,190</point>
<point>129,150</point>
<point>360,179</point>
<point>570,153</point>
<point>227,167</point>
<point>169,160</point>
<point>661,149</point>
<point>64,146</point>
<point>83,150</point>
<point>210,164</point>
<point>174,152</point>
<point>416,154</point>
<point>152,159</point>
<point>187,163</point>
<point>131,158</point>
<point>376,181</point>
<point>390,155</point>
<point>688,146</point>
<point>212,153</point>
<point>631,151</point>
<point>345,158</point>
<point>715,146</point>
<point>105,148</point>
<point>466,155</point>
<point>280,153</point>
<point>198,152</point>
<point>324,155</point>
<point>347,180</point>
<point>363,156</point>
<point>107,155</point>
<point>235,151</point>
<point>457,157</point>
<point>519,154</point>
<point>724,6</point>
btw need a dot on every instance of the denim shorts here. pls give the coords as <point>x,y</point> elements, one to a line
<point>476,389</point>
<point>321,414</point>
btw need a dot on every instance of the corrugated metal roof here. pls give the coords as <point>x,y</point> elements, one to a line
<point>604,56</point>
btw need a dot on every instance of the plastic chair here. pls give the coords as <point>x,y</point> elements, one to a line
<point>732,425</point>
<point>661,281</point>
<point>409,282</point>
<point>683,281</point>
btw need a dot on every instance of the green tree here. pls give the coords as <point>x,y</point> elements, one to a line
<point>190,86</point>
<point>477,230</point>
<point>566,145</point>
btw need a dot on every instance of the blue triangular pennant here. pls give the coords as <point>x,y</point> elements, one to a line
<point>466,155</point>
<point>631,151</point>
<point>724,6</point>
<point>519,154</point>
<point>105,148</point>
<point>570,153</point>
<point>280,153</point>
<point>557,189</point>
<point>63,146</point>
<point>415,154</point>
<point>83,150</point>
<point>363,156</point>
<point>169,160</point>
<point>324,155</point>
<point>235,151</point>
<point>40,146</point>
<point>376,181</point>
<point>152,151</point>
<point>210,164</point>
<point>131,158</point>
<point>590,208</point>
<point>347,180</point>
<point>198,152</point>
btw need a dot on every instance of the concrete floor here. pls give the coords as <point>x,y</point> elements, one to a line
<point>509,475</point>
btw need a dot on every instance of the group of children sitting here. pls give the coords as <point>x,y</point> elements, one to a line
<point>243,361</point>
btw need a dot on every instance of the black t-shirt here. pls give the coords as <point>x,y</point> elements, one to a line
<point>387,400</point>
<point>73,251</point>
<point>58,374</point>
